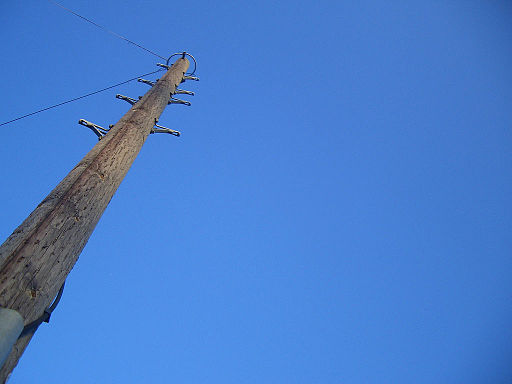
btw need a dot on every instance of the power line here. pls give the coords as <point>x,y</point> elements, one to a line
<point>78,98</point>
<point>106,29</point>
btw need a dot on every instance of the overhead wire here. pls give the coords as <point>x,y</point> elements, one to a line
<point>78,98</point>
<point>106,29</point>
<point>100,90</point>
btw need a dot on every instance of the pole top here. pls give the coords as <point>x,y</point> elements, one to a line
<point>183,54</point>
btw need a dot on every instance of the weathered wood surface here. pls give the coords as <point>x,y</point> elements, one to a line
<point>36,259</point>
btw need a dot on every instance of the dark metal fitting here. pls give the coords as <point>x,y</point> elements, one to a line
<point>45,317</point>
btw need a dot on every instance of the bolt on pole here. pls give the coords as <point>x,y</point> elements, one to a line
<point>38,256</point>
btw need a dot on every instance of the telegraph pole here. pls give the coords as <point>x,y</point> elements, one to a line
<point>36,259</point>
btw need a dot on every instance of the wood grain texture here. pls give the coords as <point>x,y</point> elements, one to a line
<point>36,259</point>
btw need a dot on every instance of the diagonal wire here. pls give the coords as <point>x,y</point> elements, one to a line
<point>78,98</point>
<point>106,29</point>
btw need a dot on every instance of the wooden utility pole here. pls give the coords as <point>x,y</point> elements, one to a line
<point>36,259</point>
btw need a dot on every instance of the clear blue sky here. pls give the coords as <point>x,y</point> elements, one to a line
<point>337,210</point>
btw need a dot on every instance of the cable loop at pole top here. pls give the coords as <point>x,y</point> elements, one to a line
<point>183,54</point>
